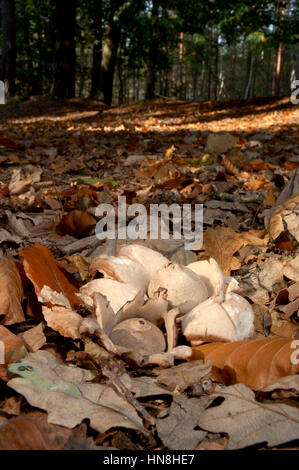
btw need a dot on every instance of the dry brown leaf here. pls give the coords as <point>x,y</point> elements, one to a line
<point>32,432</point>
<point>249,422</point>
<point>42,270</point>
<point>256,363</point>
<point>220,143</point>
<point>76,223</point>
<point>221,244</point>
<point>34,338</point>
<point>12,406</point>
<point>11,293</point>
<point>63,320</point>
<point>177,431</point>
<point>182,376</point>
<point>285,216</point>
<point>68,396</point>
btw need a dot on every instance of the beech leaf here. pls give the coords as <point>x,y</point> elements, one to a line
<point>256,363</point>
<point>42,270</point>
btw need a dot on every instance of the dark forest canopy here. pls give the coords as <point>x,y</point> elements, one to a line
<point>120,51</point>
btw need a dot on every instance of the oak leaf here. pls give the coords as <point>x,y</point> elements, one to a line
<point>249,422</point>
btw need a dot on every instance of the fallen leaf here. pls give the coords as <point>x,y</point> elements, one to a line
<point>249,422</point>
<point>255,363</point>
<point>177,431</point>
<point>32,432</point>
<point>184,375</point>
<point>220,143</point>
<point>68,397</point>
<point>12,406</point>
<point>76,223</point>
<point>42,270</point>
<point>63,320</point>
<point>11,293</point>
<point>34,338</point>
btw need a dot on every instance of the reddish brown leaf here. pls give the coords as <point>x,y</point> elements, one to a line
<point>32,432</point>
<point>42,270</point>
<point>255,363</point>
<point>76,223</point>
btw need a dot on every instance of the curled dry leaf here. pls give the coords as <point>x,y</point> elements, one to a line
<point>63,320</point>
<point>213,320</point>
<point>185,289</point>
<point>256,363</point>
<point>11,293</point>
<point>249,422</point>
<point>11,350</point>
<point>34,338</point>
<point>222,243</point>
<point>76,223</point>
<point>184,375</point>
<point>285,218</point>
<point>42,270</point>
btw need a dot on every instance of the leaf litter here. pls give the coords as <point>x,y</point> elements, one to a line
<point>84,319</point>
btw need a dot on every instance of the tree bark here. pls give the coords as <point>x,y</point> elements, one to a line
<point>97,51</point>
<point>8,47</point>
<point>109,56</point>
<point>64,66</point>
<point>297,65</point>
<point>152,58</point>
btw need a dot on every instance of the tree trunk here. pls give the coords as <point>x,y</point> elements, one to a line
<point>216,78</point>
<point>153,52</point>
<point>250,67</point>
<point>109,56</point>
<point>297,65</point>
<point>97,51</point>
<point>64,53</point>
<point>8,47</point>
<point>277,75</point>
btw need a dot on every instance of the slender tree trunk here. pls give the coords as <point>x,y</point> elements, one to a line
<point>8,47</point>
<point>297,65</point>
<point>216,67</point>
<point>97,51</point>
<point>277,75</point>
<point>152,58</point>
<point>233,71</point>
<point>109,56</point>
<point>249,74</point>
<point>65,52</point>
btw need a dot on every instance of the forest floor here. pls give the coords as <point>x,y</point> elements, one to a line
<point>60,159</point>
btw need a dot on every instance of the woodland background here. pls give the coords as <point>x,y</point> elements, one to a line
<point>124,51</point>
